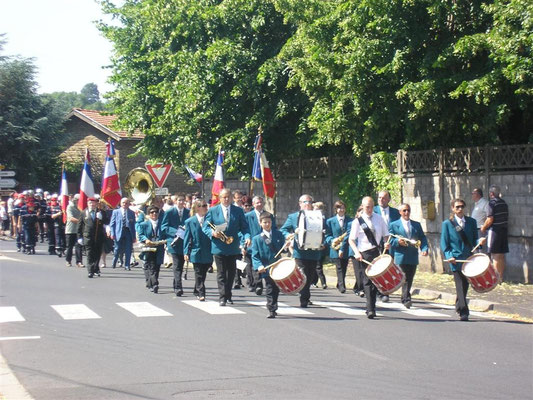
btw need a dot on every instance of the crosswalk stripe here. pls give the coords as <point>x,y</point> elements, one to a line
<point>10,314</point>
<point>342,308</point>
<point>391,306</point>
<point>212,307</point>
<point>75,311</point>
<point>144,309</point>
<point>283,309</point>
<point>424,313</point>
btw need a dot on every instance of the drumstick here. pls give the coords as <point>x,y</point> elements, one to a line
<point>367,262</point>
<point>384,249</point>
<point>477,245</point>
<point>449,260</point>
<point>288,242</point>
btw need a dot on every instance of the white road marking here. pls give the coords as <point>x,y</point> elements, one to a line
<point>445,306</point>
<point>144,309</point>
<point>10,314</point>
<point>212,307</point>
<point>75,311</point>
<point>487,315</point>
<point>19,338</point>
<point>342,308</point>
<point>424,313</point>
<point>5,258</point>
<point>391,306</point>
<point>283,309</point>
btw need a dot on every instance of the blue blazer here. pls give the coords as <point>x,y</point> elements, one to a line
<point>289,227</point>
<point>262,254</point>
<point>146,232</point>
<point>196,243</point>
<point>452,245</point>
<point>255,227</point>
<point>116,223</point>
<point>236,224</point>
<point>394,214</point>
<point>409,254</point>
<point>333,230</point>
<point>169,226</point>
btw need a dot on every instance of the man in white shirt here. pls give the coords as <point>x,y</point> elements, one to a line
<point>368,230</point>
<point>481,207</point>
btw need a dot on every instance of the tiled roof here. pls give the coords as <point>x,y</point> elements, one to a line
<point>104,122</point>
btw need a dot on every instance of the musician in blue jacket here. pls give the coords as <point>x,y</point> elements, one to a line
<point>265,246</point>
<point>305,259</point>
<point>336,233</point>
<point>225,245</point>
<point>197,246</point>
<point>405,252</point>
<point>149,232</point>
<point>173,226</point>
<point>458,237</point>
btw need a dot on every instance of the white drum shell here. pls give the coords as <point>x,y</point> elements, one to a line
<point>310,230</point>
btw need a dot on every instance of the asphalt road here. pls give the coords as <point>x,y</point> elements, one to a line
<point>69,337</point>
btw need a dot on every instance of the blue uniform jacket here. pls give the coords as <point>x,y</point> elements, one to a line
<point>146,232</point>
<point>237,223</point>
<point>452,245</point>
<point>262,254</point>
<point>409,254</point>
<point>333,230</point>
<point>289,227</point>
<point>255,227</point>
<point>394,214</point>
<point>196,243</point>
<point>169,225</point>
<point>116,223</point>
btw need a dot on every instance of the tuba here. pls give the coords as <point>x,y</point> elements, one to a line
<point>140,186</point>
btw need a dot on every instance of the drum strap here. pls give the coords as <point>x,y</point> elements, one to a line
<point>369,234</point>
<point>268,242</point>
<point>461,232</point>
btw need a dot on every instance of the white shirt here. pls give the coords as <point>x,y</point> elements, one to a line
<point>225,212</point>
<point>154,225</point>
<point>385,214</point>
<point>341,221</point>
<point>480,211</point>
<point>200,219</point>
<point>460,221</point>
<point>267,234</point>
<point>378,227</point>
<point>407,227</point>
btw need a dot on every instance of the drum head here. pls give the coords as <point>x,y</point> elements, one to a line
<point>282,269</point>
<point>379,265</point>
<point>475,265</point>
<point>300,237</point>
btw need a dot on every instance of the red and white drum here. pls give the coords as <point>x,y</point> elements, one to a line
<point>480,272</point>
<point>289,278</point>
<point>386,275</point>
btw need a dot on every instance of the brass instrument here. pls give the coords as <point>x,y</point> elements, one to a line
<point>140,186</point>
<point>151,246</point>
<point>412,242</point>
<point>337,242</point>
<point>226,239</point>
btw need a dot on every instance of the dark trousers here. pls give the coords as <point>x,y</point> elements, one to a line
<point>51,237</point>
<point>309,269</point>
<point>72,244</point>
<point>151,270</point>
<point>59,233</point>
<point>319,272</point>
<point>239,274</point>
<point>253,280</point>
<point>409,270</point>
<point>94,251</point>
<point>29,237</point>
<point>226,267</point>
<point>177,267</point>
<point>272,294</point>
<point>41,228</point>
<point>370,290</point>
<point>461,288</point>
<point>200,272</point>
<point>340,265</point>
<point>359,272</point>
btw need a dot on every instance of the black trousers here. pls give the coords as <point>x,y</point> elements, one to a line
<point>94,251</point>
<point>461,288</point>
<point>359,272</point>
<point>51,237</point>
<point>59,233</point>
<point>200,272</point>
<point>272,294</point>
<point>409,270</point>
<point>239,274</point>
<point>72,244</point>
<point>370,290</point>
<point>177,266</point>
<point>151,270</point>
<point>309,269</point>
<point>253,280</point>
<point>226,268</point>
<point>319,272</point>
<point>340,265</point>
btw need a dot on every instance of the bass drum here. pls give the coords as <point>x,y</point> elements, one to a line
<point>310,230</point>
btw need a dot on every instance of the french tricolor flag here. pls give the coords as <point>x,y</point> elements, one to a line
<point>218,181</point>
<point>111,193</point>
<point>64,194</point>
<point>194,175</point>
<point>86,184</point>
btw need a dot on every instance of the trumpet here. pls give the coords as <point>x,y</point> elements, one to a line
<point>225,238</point>
<point>151,246</point>
<point>337,242</point>
<point>412,242</point>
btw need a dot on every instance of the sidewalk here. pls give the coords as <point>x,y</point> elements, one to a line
<point>513,299</point>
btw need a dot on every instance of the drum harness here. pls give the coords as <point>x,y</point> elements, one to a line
<point>268,242</point>
<point>368,232</point>
<point>461,232</point>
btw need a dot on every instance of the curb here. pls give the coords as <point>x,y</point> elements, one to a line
<point>482,305</point>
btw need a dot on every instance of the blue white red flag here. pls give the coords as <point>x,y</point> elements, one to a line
<point>86,184</point>
<point>256,170</point>
<point>194,175</point>
<point>111,193</point>
<point>64,194</point>
<point>261,170</point>
<point>218,181</point>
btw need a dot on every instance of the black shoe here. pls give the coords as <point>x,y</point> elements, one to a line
<point>90,275</point>
<point>324,286</point>
<point>19,250</point>
<point>259,291</point>
<point>408,304</point>
<point>384,299</point>
<point>33,250</point>
<point>179,293</point>
<point>114,266</point>
<point>222,303</point>
<point>230,301</point>
<point>127,268</point>
<point>271,314</point>
<point>463,317</point>
<point>98,273</point>
<point>370,314</point>
<point>60,254</point>
<point>237,286</point>
<point>303,305</point>
<point>342,290</point>
<point>251,289</point>
<point>309,303</point>
<point>155,289</point>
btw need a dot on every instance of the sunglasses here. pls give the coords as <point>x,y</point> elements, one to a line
<point>459,207</point>
<point>307,202</point>
<point>406,210</point>
<point>203,205</point>
<point>154,212</point>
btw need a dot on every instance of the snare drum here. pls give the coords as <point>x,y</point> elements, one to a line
<point>386,275</point>
<point>310,230</point>
<point>480,272</point>
<point>287,276</point>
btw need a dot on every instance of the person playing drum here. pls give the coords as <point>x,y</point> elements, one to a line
<point>305,259</point>
<point>366,233</point>
<point>458,238</point>
<point>405,253</point>
<point>265,247</point>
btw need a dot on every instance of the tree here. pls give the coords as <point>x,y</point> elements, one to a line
<point>89,95</point>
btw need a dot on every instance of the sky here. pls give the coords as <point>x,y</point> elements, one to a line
<point>60,35</point>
